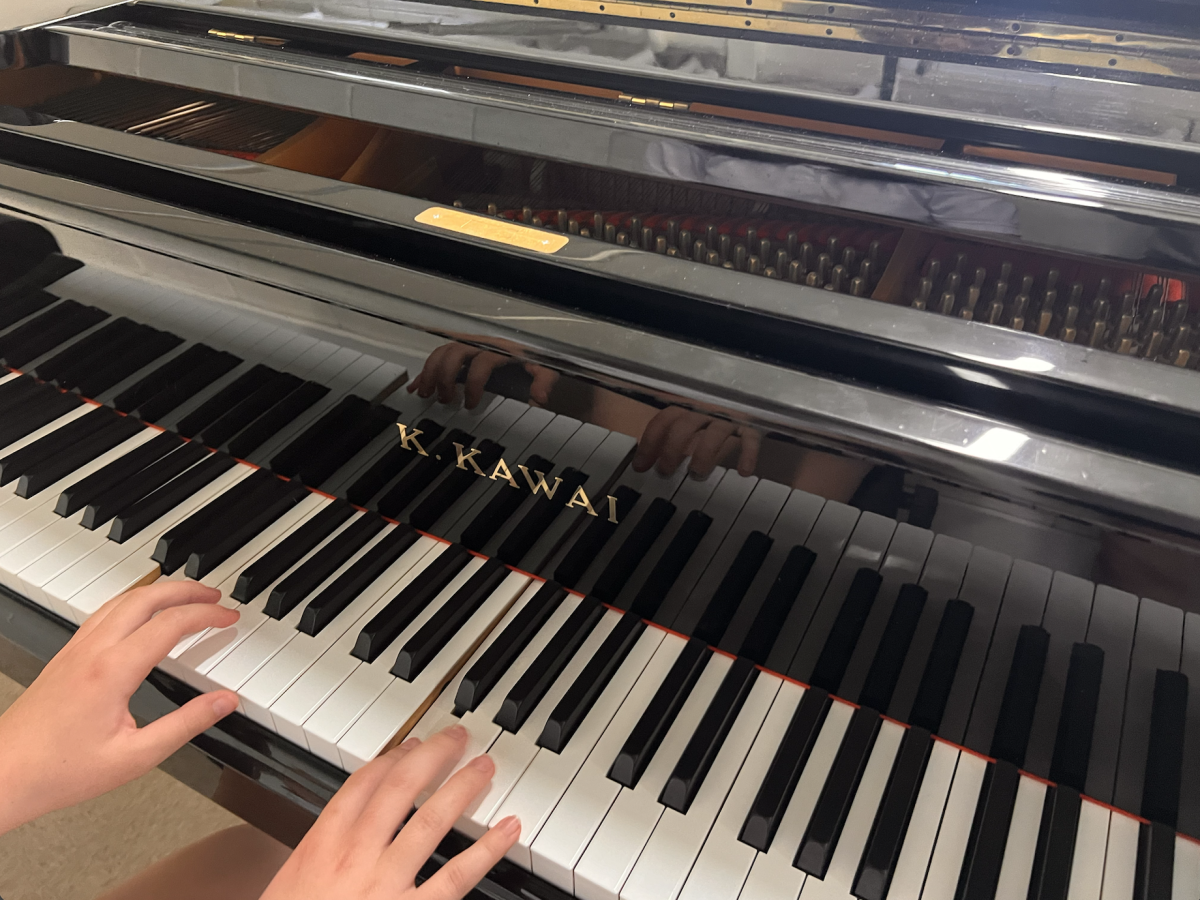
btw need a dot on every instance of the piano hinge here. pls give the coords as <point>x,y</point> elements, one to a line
<point>653,102</point>
<point>247,38</point>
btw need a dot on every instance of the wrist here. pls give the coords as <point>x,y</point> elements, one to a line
<point>17,793</point>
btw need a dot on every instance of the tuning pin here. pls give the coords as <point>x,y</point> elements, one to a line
<point>673,251</point>
<point>1179,341</point>
<point>996,310</point>
<point>960,263</point>
<point>794,273</point>
<point>493,209</point>
<point>807,255</point>
<point>728,265</point>
<point>933,270</point>
<point>560,220</point>
<point>782,263</point>
<point>660,244</point>
<point>1052,279</point>
<point>833,247</point>
<point>685,242</point>
<point>924,289</point>
<point>724,244</point>
<point>858,286</point>
<point>752,237</point>
<point>811,279</point>
<point>710,237</point>
<point>1069,330</point>
<point>873,254</point>
<point>949,295</point>
<point>572,227</point>
<point>764,248</point>
<point>1179,311</point>
<point>866,271</point>
<point>824,267</point>
<point>458,204</point>
<point>647,238</point>
<point>1124,318</point>
<point>754,265</point>
<point>1153,345</point>
<point>672,232</point>
<point>711,258</point>
<point>698,251</point>
<point>792,244</point>
<point>739,257</point>
<point>1125,346</point>
<point>973,294</point>
<point>837,279</point>
<point>849,258</point>
<point>771,272</point>
<point>1006,272</point>
<point>610,233</point>
<point>1040,323</point>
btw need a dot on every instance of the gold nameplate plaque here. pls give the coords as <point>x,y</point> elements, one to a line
<point>491,229</point>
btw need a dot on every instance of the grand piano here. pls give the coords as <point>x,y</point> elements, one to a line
<point>769,426</point>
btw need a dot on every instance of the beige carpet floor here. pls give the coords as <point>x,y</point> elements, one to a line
<point>76,853</point>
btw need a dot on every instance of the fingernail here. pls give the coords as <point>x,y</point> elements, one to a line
<point>483,763</point>
<point>224,705</point>
<point>509,826</point>
<point>410,743</point>
<point>457,732</point>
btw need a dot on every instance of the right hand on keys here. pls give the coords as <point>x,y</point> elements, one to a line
<point>353,851</point>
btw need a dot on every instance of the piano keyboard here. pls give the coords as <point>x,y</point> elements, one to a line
<point>739,690</point>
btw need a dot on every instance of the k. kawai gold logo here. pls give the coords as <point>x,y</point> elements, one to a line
<point>468,460</point>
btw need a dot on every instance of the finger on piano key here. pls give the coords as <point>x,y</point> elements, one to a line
<point>262,690</point>
<point>535,796</point>
<point>1091,842</point>
<point>1056,844</point>
<point>107,505</point>
<point>916,848</point>
<point>1073,745</point>
<point>616,845</point>
<point>1157,644</point>
<point>1114,618</point>
<point>1186,877</point>
<point>884,672</point>
<point>942,579</point>
<point>791,529</point>
<point>281,557</point>
<point>865,549</point>
<point>944,657</point>
<point>1020,695</point>
<point>829,536</point>
<point>677,839</point>
<point>773,874</point>
<point>725,860</point>
<point>844,632</point>
<point>1016,870</point>
<point>1068,609</point>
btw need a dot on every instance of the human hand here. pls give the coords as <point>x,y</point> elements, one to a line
<point>353,851</point>
<point>675,433</point>
<point>71,737</point>
<point>441,369</point>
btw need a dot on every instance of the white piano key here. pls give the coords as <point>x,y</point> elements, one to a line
<point>865,550</point>
<point>942,577</point>
<point>853,841</point>
<point>1114,618</point>
<point>542,785</point>
<point>663,866</point>
<point>772,875</point>
<point>1120,862</point>
<point>561,842</point>
<point>1024,604</point>
<point>1185,881</point>
<point>1016,870</point>
<point>1091,841</point>
<point>617,843</point>
<point>916,850</point>
<point>1189,788</point>
<point>278,673</point>
<point>724,862</point>
<point>362,687</point>
<point>906,555</point>
<point>402,703</point>
<point>9,376</point>
<point>941,881</point>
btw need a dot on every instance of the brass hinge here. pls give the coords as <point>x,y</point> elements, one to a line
<point>247,38</point>
<point>653,102</point>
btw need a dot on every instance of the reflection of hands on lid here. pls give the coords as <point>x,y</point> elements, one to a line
<point>444,365</point>
<point>674,434</point>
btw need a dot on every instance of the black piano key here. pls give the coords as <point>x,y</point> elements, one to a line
<point>1077,721</point>
<point>495,661</point>
<point>81,493</point>
<point>595,536</point>
<point>577,702</point>
<point>829,815</point>
<point>202,561</point>
<point>542,672</point>
<point>891,821</point>
<point>82,429</point>
<point>267,569</point>
<point>153,506</point>
<point>688,775</point>
<point>934,690</point>
<point>196,379</point>
<point>843,635</point>
<point>391,464</point>
<point>52,267</point>
<point>40,335</point>
<point>20,307</point>
<point>893,647</point>
<point>1155,872</point>
<point>633,550</point>
<point>1164,758</point>
<point>173,548</point>
<point>671,564</point>
<point>419,476</point>
<point>786,767</point>
<point>141,352</point>
<point>431,637</point>
<point>222,429</point>
<point>328,604</point>
<point>643,741</point>
<point>62,368</point>
<point>773,613</point>
<point>321,467</point>
<point>304,580</point>
<point>111,502</point>
<point>732,589</point>
<point>526,532</point>
<point>387,624</point>
<point>320,434</point>
<point>225,399</point>
<point>451,488</point>
<point>33,412</point>
<point>1015,719</point>
<point>276,419</point>
<point>17,390</point>
<point>989,833</point>
<point>1051,875</point>
<point>163,377</point>
<point>61,465</point>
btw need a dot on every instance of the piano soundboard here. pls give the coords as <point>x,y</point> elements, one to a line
<point>735,690</point>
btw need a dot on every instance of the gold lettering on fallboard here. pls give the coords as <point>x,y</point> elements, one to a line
<point>408,440</point>
<point>464,457</point>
